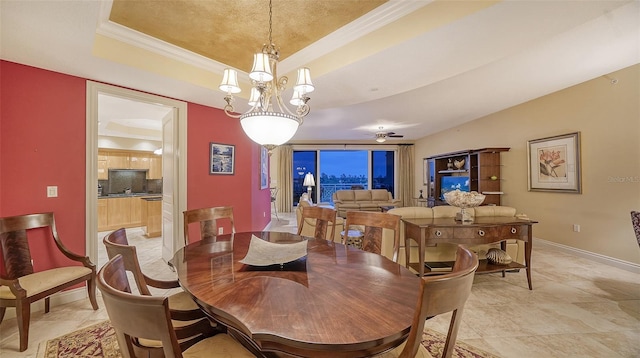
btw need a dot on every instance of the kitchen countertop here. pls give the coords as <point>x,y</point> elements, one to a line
<point>140,195</point>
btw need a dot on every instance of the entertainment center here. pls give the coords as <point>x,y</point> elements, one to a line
<point>467,170</point>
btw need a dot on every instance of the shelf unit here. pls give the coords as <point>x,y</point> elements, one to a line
<point>481,166</point>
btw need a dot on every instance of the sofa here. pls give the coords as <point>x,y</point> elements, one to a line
<point>447,252</point>
<point>363,200</point>
<point>310,224</point>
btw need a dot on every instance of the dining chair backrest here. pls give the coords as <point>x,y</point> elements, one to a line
<point>208,219</point>
<point>441,294</point>
<point>135,316</point>
<point>323,217</point>
<point>373,223</point>
<point>117,243</point>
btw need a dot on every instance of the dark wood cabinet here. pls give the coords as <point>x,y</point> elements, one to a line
<point>473,170</point>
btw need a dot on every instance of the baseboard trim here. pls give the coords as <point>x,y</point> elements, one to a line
<point>611,261</point>
<point>57,299</point>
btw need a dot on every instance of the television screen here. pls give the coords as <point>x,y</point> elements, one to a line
<point>450,183</point>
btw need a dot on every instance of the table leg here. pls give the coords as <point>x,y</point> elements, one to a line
<point>527,257</point>
<point>421,250</point>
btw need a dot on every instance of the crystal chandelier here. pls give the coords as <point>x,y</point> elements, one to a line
<point>269,122</point>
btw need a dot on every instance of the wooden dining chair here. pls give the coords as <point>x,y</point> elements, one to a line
<point>188,319</point>
<point>322,218</point>
<point>439,295</point>
<point>141,317</point>
<point>181,304</point>
<point>207,217</point>
<point>373,223</point>
<point>21,284</point>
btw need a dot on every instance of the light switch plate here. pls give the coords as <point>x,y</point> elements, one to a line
<point>52,192</point>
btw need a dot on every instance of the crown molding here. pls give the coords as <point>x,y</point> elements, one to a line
<point>138,39</point>
<point>374,20</point>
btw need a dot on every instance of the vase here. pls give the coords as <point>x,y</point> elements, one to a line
<point>464,215</point>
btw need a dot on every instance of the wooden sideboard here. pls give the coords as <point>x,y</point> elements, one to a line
<point>483,230</point>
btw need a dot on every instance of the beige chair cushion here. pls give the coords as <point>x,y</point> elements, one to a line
<point>220,345</point>
<point>182,301</point>
<point>38,282</point>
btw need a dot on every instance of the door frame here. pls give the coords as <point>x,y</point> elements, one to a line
<point>91,160</point>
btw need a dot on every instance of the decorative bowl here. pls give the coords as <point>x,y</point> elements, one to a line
<point>463,199</point>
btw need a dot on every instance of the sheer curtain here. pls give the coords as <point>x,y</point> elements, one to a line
<point>285,178</point>
<point>406,175</point>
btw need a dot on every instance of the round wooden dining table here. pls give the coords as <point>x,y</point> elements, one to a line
<point>337,301</point>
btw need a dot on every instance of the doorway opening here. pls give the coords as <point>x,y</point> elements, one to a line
<point>172,135</point>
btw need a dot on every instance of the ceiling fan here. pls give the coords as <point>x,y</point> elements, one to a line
<point>381,136</point>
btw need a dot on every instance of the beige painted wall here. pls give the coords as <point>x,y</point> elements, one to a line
<point>608,117</point>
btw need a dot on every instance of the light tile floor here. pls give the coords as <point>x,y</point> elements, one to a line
<point>578,308</point>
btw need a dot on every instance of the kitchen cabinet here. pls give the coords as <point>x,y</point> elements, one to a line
<point>103,170</point>
<point>122,159</point>
<point>118,212</point>
<point>152,216</point>
<point>103,223</point>
<point>138,160</point>
<point>114,213</point>
<point>155,167</point>
<point>118,160</point>
<point>135,205</point>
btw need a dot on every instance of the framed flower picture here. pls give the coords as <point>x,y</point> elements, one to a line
<point>221,158</point>
<point>554,164</point>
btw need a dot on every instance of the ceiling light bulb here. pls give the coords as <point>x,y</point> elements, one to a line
<point>381,139</point>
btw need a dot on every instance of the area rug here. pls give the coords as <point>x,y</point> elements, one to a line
<point>99,340</point>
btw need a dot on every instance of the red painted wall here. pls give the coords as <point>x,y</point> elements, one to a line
<point>42,143</point>
<point>240,190</point>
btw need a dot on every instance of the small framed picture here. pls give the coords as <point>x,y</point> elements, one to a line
<point>222,158</point>
<point>554,164</point>
<point>264,168</point>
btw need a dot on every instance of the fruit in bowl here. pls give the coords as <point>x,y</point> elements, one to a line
<point>463,199</point>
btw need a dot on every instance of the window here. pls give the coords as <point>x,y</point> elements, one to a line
<point>342,169</point>
<point>382,170</point>
<point>303,162</point>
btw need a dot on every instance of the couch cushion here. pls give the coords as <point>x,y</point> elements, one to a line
<point>345,195</point>
<point>445,211</point>
<point>490,210</point>
<point>411,212</point>
<point>380,195</point>
<point>362,195</point>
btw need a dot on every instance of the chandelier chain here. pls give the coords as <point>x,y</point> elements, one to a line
<point>270,22</point>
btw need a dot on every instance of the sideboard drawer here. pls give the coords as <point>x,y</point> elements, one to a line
<point>440,232</point>
<point>517,232</point>
<point>477,232</point>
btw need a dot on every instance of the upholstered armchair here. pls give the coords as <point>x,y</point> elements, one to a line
<point>310,224</point>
